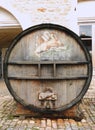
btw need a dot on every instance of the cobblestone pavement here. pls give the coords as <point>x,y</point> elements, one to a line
<point>9,122</point>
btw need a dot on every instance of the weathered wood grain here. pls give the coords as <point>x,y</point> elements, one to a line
<point>51,62</point>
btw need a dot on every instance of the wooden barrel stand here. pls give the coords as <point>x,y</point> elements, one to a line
<point>73,113</point>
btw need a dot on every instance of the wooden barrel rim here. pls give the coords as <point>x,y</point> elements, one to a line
<point>62,29</point>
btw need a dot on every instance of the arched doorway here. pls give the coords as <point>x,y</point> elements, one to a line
<point>9,29</point>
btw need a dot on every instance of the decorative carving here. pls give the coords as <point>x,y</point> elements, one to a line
<point>48,98</point>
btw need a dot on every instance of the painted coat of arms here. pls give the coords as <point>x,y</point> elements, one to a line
<point>49,47</point>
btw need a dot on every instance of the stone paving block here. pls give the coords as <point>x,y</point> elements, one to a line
<point>54,124</point>
<point>68,128</point>
<point>49,122</point>
<point>93,127</point>
<point>27,128</point>
<point>43,123</point>
<point>30,125</point>
<point>67,124</point>
<point>32,121</point>
<point>62,129</point>
<point>60,123</point>
<point>10,128</point>
<point>38,122</point>
<point>86,125</point>
<point>73,124</point>
<point>42,128</point>
<point>48,128</point>
<point>80,126</point>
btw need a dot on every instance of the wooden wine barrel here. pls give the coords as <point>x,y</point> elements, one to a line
<point>47,68</point>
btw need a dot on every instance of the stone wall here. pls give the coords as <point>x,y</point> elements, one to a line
<point>32,12</point>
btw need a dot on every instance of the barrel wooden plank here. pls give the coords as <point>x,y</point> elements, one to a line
<point>47,68</point>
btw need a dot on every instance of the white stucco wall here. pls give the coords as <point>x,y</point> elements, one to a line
<point>86,9</point>
<point>32,12</point>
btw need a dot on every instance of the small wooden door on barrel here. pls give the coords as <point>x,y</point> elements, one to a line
<point>47,68</point>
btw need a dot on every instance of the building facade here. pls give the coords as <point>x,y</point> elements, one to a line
<point>86,25</point>
<point>16,16</point>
